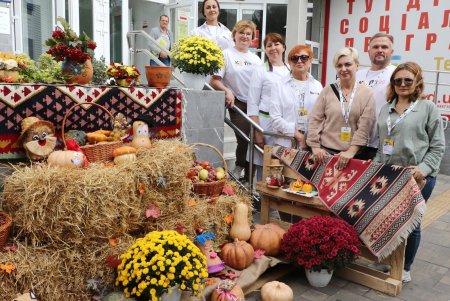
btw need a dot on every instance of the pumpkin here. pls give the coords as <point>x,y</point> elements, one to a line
<point>296,186</point>
<point>227,290</point>
<point>124,154</point>
<point>240,228</point>
<point>68,158</point>
<point>276,291</point>
<point>268,238</point>
<point>78,136</point>
<point>308,187</point>
<point>238,254</point>
<point>96,137</point>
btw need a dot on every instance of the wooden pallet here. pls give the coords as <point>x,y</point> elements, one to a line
<point>304,207</point>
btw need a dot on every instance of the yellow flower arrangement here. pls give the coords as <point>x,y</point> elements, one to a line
<point>123,72</point>
<point>197,55</point>
<point>159,261</point>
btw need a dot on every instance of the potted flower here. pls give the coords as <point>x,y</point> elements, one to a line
<point>123,75</point>
<point>321,244</point>
<point>10,65</point>
<point>157,263</point>
<point>197,55</point>
<point>74,51</point>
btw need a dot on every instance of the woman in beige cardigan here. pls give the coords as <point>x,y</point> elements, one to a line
<point>343,115</point>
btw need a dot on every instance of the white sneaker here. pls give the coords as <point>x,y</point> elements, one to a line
<point>406,276</point>
<point>237,171</point>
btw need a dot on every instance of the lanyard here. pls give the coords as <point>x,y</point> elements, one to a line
<point>345,114</point>
<point>399,118</point>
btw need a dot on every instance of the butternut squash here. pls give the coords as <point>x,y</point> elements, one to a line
<point>240,228</point>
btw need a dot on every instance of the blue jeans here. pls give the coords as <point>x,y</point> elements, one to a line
<point>166,62</point>
<point>412,244</point>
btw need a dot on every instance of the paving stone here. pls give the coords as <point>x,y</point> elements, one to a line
<point>312,295</point>
<point>433,253</point>
<point>435,236</point>
<point>345,295</point>
<point>443,288</point>
<point>445,218</point>
<point>427,275</point>
<point>357,288</point>
<point>413,292</point>
<point>377,296</point>
<point>440,226</point>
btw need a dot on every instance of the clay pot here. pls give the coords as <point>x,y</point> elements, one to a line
<point>78,73</point>
<point>158,76</point>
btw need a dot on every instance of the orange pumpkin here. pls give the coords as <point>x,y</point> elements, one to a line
<point>68,158</point>
<point>238,254</point>
<point>296,186</point>
<point>268,238</point>
<point>227,290</point>
<point>308,187</point>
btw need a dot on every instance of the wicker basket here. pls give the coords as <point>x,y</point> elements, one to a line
<point>5,227</point>
<point>210,189</point>
<point>95,153</point>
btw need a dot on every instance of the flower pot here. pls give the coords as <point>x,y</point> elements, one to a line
<point>174,296</point>
<point>78,73</point>
<point>194,81</point>
<point>318,279</point>
<point>10,74</point>
<point>158,76</point>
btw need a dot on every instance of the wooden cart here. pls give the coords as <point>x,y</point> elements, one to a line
<point>304,207</point>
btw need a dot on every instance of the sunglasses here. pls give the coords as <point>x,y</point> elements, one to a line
<point>405,81</point>
<point>304,58</point>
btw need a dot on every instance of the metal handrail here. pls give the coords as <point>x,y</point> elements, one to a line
<point>131,38</point>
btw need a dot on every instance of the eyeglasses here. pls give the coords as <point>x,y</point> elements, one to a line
<point>405,81</point>
<point>304,58</point>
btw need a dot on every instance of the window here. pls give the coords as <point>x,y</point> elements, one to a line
<point>276,18</point>
<point>36,26</point>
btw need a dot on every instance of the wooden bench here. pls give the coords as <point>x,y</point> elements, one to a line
<point>303,207</point>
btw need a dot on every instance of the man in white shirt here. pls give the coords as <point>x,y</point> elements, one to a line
<point>377,77</point>
<point>164,37</point>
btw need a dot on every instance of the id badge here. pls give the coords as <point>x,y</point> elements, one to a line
<point>302,112</point>
<point>302,120</point>
<point>346,133</point>
<point>388,146</point>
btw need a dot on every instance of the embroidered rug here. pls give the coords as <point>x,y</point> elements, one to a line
<point>382,202</point>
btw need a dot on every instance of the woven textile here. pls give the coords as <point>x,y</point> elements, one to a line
<point>382,202</point>
<point>51,102</point>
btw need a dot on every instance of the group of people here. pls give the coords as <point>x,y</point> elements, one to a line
<point>379,113</point>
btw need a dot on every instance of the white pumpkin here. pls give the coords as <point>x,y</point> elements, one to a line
<point>276,291</point>
<point>67,158</point>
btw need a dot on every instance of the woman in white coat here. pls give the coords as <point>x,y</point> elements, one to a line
<point>293,98</point>
<point>259,94</point>
<point>212,29</point>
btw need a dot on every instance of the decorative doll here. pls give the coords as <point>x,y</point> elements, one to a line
<point>205,243</point>
<point>25,297</point>
<point>37,138</point>
<point>140,135</point>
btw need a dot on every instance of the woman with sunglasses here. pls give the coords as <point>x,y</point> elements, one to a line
<point>411,134</point>
<point>259,95</point>
<point>234,79</point>
<point>293,98</point>
<point>343,115</point>
<point>212,29</point>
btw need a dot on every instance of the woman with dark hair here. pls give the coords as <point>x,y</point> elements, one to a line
<point>411,134</point>
<point>293,98</point>
<point>259,94</point>
<point>212,29</point>
<point>234,79</point>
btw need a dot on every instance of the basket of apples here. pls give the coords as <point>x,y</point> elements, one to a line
<point>206,179</point>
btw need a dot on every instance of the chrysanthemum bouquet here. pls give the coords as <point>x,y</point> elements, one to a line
<point>159,261</point>
<point>321,242</point>
<point>128,73</point>
<point>197,55</point>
